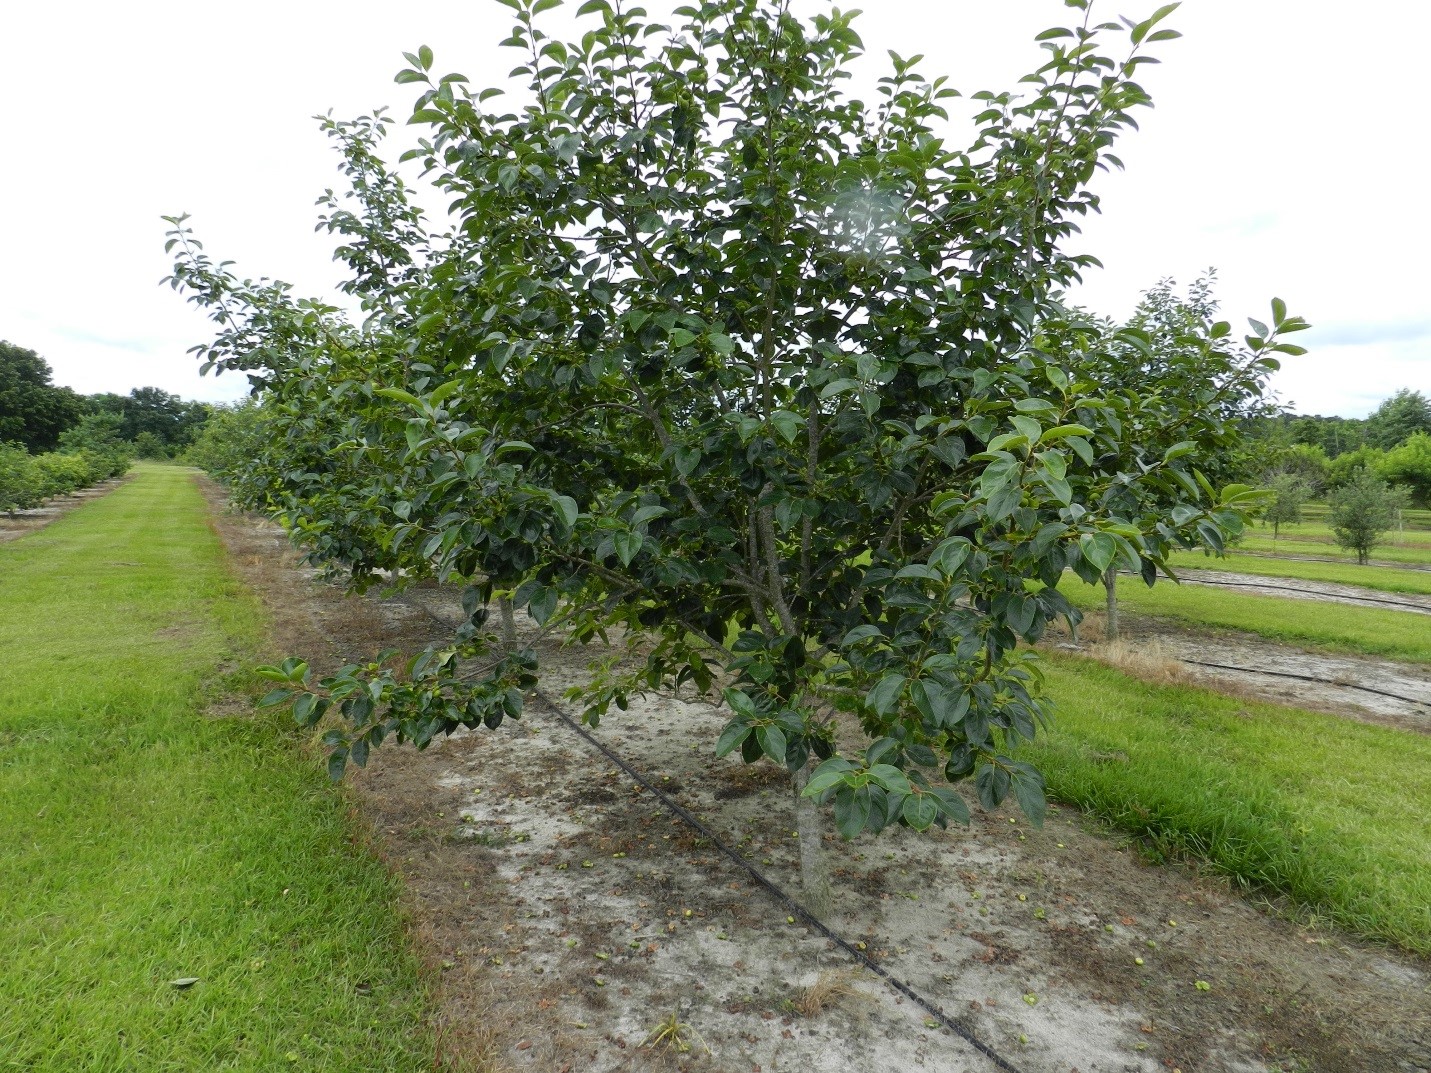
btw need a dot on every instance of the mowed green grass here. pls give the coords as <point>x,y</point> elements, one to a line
<point>1403,635</point>
<point>143,841</point>
<point>1332,813</point>
<point>1381,578</point>
<point>1412,518</point>
<point>1411,547</point>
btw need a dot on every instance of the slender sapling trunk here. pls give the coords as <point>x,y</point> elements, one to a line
<point>1110,585</point>
<point>810,822</point>
<point>509,623</point>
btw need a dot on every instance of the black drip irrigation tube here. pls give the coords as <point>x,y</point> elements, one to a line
<point>1309,678</point>
<point>768,885</point>
<point>784,898</point>
<point>1310,592</point>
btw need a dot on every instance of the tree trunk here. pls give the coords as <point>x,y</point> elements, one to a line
<point>810,822</point>
<point>509,623</point>
<point>1110,585</point>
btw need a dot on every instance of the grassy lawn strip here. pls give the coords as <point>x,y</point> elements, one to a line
<point>142,840</point>
<point>1333,813</point>
<point>1402,635</point>
<point>1411,548</point>
<point>1382,578</point>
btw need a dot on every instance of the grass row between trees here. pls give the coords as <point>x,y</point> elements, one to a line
<point>1402,635</point>
<point>1333,813</point>
<point>143,840</point>
<point>1381,578</point>
<point>1414,549</point>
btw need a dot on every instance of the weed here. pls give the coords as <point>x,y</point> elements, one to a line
<point>673,1034</point>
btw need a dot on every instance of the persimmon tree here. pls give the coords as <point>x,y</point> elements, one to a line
<point>776,381</point>
<point>1192,388</point>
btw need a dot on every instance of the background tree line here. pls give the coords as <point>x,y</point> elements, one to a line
<point>36,414</point>
<point>1392,444</point>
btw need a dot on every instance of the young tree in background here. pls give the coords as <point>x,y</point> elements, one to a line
<point>1284,507</point>
<point>1362,511</point>
<point>1198,388</point>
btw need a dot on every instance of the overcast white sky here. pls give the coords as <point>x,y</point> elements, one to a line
<point>1288,148</point>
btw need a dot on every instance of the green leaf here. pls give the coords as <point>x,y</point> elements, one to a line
<point>918,570</point>
<point>1027,427</point>
<point>400,395</point>
<point>1004,501</point>
<point>686,459</point>
<point>1061,432</point>
<point>886,693</point>
<point>951,555</point>
<point>740,703</point>
<point>1098,549</point>
<point>787,424</point>
<point>772,742</point>
<point>567,510</point>
<point>543,603</point>
<point>828,774</point>
<point>1029,790</point>
<point>721,343</point>
<point>920,811</point>
<point>940,705</point>
<point>992,784</point>
<point>950,804</point>
<point>852,811</point>
<point>891,778</point>
<point>731,738</point>
<point>860,633</point>
<point>627,546</point>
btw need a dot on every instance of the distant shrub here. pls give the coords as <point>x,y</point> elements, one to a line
<point>232,441</point>
<point>19,486</point>
<point>150,446</point>
<point>27,480</point>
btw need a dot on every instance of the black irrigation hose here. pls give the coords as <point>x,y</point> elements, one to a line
<point>1309,678</point>
<point>784,898</point>
<point>769,885</point>
<point>1310,592</point>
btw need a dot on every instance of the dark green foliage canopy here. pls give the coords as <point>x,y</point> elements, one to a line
<point>33,412</point>
<point>1398,418</point>
<point>166,418</point>
<point>777,382</point>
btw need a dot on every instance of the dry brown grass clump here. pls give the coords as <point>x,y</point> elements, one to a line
<point>1147,660</point>
<point>828,988</point>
